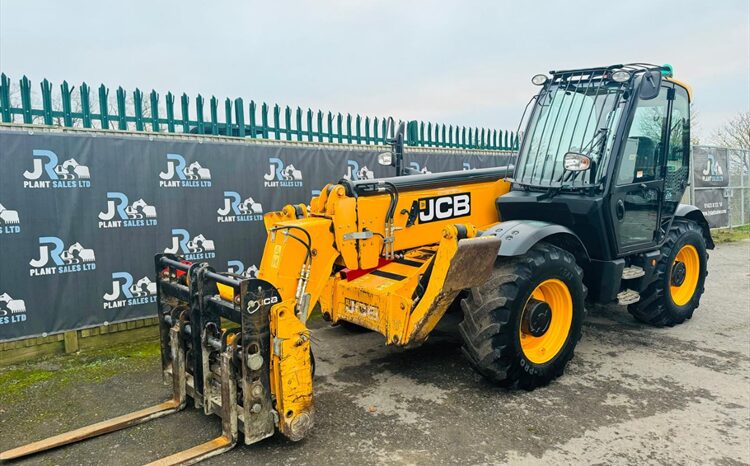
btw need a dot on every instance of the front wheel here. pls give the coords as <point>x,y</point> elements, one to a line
<point>520,328</point>
<point>680,275</point>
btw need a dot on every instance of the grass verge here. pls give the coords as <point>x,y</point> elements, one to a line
<point>56,371</point>
<point>730,235</point>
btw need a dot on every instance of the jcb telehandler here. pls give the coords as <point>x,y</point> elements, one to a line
<point>591,210</point>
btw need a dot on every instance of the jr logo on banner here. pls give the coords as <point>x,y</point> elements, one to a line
<point>181,175</point>
<point>121,213</point>
<point>238,268</point>
<point>12,311</point>
<point>237,210</point>
<point>54,258</point>
<point>713,171</point>
<point>198,248</point>
<point>9,221</point>
<point>126,293</point>
<point>354,172</point>
<point>69,174</point>
<point>282,176</point>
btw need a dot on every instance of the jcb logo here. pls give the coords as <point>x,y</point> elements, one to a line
<point>433,209</point>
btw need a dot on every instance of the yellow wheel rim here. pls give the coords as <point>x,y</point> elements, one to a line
<point>543,348</point>
<point>683,282</point>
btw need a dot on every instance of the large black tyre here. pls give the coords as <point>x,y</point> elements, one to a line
<point>495,313</point>
<point>661,304</point>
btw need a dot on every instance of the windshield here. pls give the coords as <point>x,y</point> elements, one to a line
<point>569,117</point>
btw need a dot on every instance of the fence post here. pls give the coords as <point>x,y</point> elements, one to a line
<point>84,93</point>
<point>185,108</point>
<point>199,114</point>
<point>66,92</point>
<point>213,111</point>
<point>228,117</point>
<point>122,122</point>
<point>169,104</point>
<point>320,126</point>
<point>309,124</point>
<point>239,116</point>
<point>329,119</point>
<point>154,111</point>
<point>47,102</point>
<point>298,119</point>
<point>138,107</point>
<point>264,120</point>
<point>104,107</point>
<point>26,100</point>
<point>253,126</point>
<point>367,130</point>
<point>339,131</point>
<point>277,122</point>
<point>5,98</point>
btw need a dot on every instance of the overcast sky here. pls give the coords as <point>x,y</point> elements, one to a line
<point>459,62</point>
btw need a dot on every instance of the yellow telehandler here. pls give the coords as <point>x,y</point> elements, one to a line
<point>591,210</point>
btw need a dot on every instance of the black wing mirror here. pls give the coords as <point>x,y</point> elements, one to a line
<point>650,85</point>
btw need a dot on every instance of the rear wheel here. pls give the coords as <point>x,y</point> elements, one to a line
<point>680,275</point>
<point>520,328</point>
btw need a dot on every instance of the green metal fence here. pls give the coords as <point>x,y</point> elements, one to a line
<point>141,112</point>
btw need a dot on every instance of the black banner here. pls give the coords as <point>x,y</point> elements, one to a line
<point>714,205</point>
<point>710,167</point>
<point>83,213</point>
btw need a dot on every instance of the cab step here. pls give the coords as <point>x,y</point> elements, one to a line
<point>632,272</point>
<point>628,297</point>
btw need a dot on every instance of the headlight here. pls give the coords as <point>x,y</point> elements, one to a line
<point>575,162</point>
<point>620,76</point>
<point>539,79</point>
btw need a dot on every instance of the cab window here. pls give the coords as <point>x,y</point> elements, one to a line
<point>640,158</point>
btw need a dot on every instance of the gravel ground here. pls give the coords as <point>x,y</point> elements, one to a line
<point>632,395</point>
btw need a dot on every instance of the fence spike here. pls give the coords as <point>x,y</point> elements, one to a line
<point>251,115</point>
<point>309,124</point>
<point>298,120</point>
<point>264,120</point>
<point>229,131</point>
<point>349,128</point>
<point>185,104</point>
<point>288,123</point>
<point>138,105</point>
<point>367,130</point>
<point>239,116</point>
<point>5,99</point>
<point>169,104</point>
<point>277,123</point>
<point>339,130</point>
<point>330,126</point>
<point>67,103</point>
<point>47,102</point>
<point>154,111</point>
<point>358,129</point>
<point>320,126</point>
<point>104,106</point>
<point>122,122</point>
<point>213,108</point>
<point>25,85</point>
<point>199,114</point>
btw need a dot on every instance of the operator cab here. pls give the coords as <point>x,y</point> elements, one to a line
<point>606,154</point>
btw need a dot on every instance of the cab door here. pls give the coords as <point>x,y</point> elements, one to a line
<point>638,182</point>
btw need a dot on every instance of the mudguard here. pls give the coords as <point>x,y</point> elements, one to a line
<point>518,236</point>
<point>693,213</point>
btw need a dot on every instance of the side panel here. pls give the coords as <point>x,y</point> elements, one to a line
<point>420,216</point>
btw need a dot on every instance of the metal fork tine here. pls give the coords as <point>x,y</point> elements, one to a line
<point>118,423</point>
